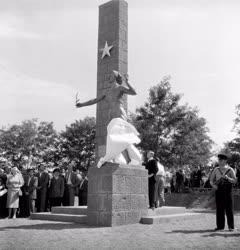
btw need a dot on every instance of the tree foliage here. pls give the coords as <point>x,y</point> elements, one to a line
<point>78,142</point>
<point>174,132</point>
<point>38,142</point>
<point>233,146</point>
<point>29,141</point>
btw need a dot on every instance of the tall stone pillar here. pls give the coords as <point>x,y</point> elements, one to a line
<point>117,194</point>
<point>112,32</point>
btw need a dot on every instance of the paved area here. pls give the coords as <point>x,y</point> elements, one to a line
<point>186,234</point>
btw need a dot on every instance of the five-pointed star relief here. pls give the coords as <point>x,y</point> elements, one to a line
<point>106,50</point>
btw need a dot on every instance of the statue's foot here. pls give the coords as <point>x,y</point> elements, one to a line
<point>134,162</point>
<point>100,162</point>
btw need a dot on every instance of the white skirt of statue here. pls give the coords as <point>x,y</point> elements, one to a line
<point>121,135</point>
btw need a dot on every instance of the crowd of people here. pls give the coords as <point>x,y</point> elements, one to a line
<point>180,180</point>
<point>222,178</point>
<point>185,179</point>
<point>38,189</point>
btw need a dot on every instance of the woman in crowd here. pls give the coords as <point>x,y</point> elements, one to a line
<point>56,189</point>
<point>14,183</point>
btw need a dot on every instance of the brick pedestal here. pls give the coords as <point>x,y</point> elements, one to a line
<point>117,195</point>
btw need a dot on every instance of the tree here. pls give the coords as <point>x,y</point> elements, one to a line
<point>16,141</point>
<point>45,147</point>
<point>78,142</point>
<point>233,146</point>
<point>237,120</point>
<point>174,132</point>
<point>190,145</point>
<point>29,141</point>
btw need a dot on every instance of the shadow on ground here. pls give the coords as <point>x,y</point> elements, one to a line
<point>48,226</point>
<point>225,235</point>
<point>203,231</point>
<point>205,211</point>
<point>191,231</point>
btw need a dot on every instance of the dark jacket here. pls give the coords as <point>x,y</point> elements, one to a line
<point>43,180</point>
<point>25,187</point>
<point>56,188</point>
<point>74,179</point>
<point>152,168</point>
<point>32,187</point>
<point>83,187</point>
<point>4,178</point>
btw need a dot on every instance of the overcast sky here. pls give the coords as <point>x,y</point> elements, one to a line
<point>48,52</point>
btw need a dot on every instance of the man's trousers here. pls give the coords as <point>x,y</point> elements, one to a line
<point>224,204</point>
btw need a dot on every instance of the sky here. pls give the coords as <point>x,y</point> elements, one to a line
<point>48,53</point>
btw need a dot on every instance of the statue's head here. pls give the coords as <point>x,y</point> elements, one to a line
<point>118,77</point>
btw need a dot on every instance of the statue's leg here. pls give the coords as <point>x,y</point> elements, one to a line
<point>126,156</point>
<point>120,159</point>
<point>134,154</point>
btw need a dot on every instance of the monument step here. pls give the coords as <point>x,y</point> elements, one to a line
<point>166,210</point>
<point>60,217</point>
<point>168,218</point>
<point>81,210</point>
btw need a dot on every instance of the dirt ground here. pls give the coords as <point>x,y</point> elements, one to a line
<point>187,234</point>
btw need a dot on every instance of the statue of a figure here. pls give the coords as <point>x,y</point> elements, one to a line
<point>121,135</point>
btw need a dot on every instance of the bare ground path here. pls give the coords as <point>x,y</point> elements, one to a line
<point>186,234</point>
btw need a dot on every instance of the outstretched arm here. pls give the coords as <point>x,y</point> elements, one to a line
<point>129,89</point>
<point>88,103</point>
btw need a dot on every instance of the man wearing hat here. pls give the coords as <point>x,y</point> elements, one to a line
<point>222,179</point>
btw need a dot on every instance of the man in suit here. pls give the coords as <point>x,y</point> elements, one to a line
<point>83,191</point>
<point>43,181</point>
<point>33,184</point>
<point>152,168</point>
<point>71,184</point>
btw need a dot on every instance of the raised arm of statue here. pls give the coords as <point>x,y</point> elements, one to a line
<point>129,89</point>
<point>88,103</point>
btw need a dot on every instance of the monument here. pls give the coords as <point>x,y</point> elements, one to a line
<point>118,185</point>
<point>118,191</point>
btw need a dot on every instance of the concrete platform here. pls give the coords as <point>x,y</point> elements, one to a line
<point>166,210</point>
<point>76,218</point>
<point>70,210</point>
<point>167,214</point>
<point>168,218</point>
<point>79,215</point>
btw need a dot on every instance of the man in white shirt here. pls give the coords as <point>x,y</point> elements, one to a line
<point>159,185</point>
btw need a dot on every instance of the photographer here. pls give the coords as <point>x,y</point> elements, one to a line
<point>222,179</point>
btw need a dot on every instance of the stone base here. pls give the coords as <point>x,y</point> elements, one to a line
<point>117,195</point>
